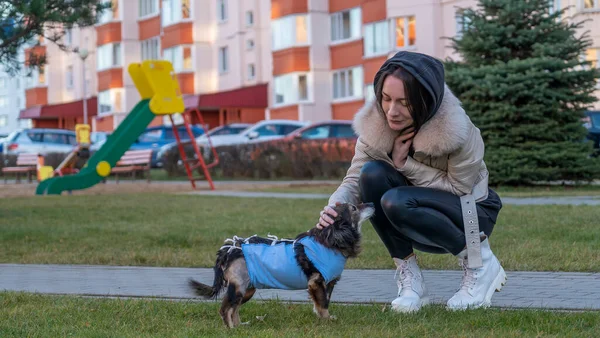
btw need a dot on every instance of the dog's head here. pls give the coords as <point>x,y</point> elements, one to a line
<point>345,232</point>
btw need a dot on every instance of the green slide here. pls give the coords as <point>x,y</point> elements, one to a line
<point>115,146</point>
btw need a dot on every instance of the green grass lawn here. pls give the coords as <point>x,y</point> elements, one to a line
<point>186,231</point>
<point>546,191</point>
<point>25,315</point>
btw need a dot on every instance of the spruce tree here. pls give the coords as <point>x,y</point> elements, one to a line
<point>524,82</point>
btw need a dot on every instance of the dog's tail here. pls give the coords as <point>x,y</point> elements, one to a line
<point>213,291</point>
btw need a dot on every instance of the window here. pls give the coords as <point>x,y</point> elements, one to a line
<point>405,31</point>
<point>108,56</point>
<point>343,131</point>
<point>148,8</point>
<point>348,83</point>
<point>251,71</point>
<point>346,25</point>
<point>289,31</point>
<point>316,133</point>
<point>222,10</point>
<point>150,49</point>
<point>249,44</point>
<point>555,6</point>
<point>3,101</point>
<point>249,18</point>
<point>3,82</point>
<point>291,88</point>
<point>223,60</point>
<point>174,11</point>
<point>593,55</point>
<point>462,23</point>
<point>591,4</point>
<point>377,38</point>
<point>369,92</point>
<point>42,76</point>
<point>3,120</point>
<point>110,101</point>
<point>110,14</point>
<point>69,75</point>
<point>180,57</point>
<point>68,36</point>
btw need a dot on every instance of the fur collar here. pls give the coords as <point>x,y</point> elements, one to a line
<point>444,133</point>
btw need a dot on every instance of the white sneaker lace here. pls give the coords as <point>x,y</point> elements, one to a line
<point>406,275</point>
<point>469,277</point>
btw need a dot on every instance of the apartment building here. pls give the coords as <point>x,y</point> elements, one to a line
<point>12,101</point>
<point>248,60</point>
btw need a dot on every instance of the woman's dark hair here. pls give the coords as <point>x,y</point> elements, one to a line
<point>418,98</point>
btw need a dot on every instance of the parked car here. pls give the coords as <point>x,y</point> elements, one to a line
<point>593,126</point>
<point>324,130</point>
<point>156,137</point>
<point>39,141</point>
<point>262,131</point>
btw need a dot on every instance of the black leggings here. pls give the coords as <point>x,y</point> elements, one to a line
<point>427,219</point>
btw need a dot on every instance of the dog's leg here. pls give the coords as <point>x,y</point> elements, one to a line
<point>318,292</point>
<point>240,279</point>
<point>330,287</point>
<point>227,305</point>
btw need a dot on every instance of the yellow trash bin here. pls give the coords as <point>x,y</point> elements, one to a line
<point>82,132</point>
<point>45,172</point>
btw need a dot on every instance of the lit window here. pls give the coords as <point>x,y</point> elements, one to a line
<point>346,25</point>
<point>405,31</point>
<point>180,57</point>
<point>108,56</point>
<point>377,38</point>
<point>110,14</point>
<point>174,11</point>
<point>593,55</point>
<point>42,76</point>
<point>348,83</point>
<point>289,31</point>
<point>110,101</point>
<point>591,4</point>
<point>291,88</point>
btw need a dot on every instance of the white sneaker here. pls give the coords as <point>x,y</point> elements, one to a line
<point>412,293</point>
<point>478,285</point>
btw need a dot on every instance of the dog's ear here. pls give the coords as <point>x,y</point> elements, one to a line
<point>344,218</point>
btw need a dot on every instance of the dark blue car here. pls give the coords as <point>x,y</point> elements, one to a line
<point>155,137</point>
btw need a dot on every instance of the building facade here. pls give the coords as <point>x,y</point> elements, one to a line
<point>248,60</point>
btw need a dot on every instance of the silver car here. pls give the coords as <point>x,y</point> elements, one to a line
<point>39,141</point>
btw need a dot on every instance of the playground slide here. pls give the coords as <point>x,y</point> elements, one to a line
<point>106,157</point>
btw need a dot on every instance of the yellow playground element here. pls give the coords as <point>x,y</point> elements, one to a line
<point>156,79</point>
<point>82,133</point>
<point>103,169</point>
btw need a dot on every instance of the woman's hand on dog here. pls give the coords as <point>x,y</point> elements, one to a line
<point>327,216</point>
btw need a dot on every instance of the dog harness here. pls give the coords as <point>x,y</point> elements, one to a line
<point>274,266</point>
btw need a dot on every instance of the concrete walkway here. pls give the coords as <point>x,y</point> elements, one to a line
<point>575,200</point>
<point>547,290</point>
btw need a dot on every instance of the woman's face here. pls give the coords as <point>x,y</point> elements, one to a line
<point>395,104</point>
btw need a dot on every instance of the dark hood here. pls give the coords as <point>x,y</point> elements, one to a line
<point>427,70</point>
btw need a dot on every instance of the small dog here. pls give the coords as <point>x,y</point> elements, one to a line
<point>314,260</point>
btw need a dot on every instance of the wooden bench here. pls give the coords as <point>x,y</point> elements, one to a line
<point>132,162</point>
<point>26,164</point>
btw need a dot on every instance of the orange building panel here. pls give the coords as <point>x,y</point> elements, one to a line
<point>178,34</point>
<point>252,115</point>
<point>158,121</point>
<point>340,5</point>
<point>110,78</point>
<point>373,10</point>
<point>346,110</point>
<point>104,123</point>
<point>291,60</point>
<point>347,54</point>
<point>108,33</point>
<point>149,28</point>
<point>36,97</point>
<point>281,8</point>
<point>36,51</point>
<point>286,113</point>
<point>186,83</point>
<point>371,66</point>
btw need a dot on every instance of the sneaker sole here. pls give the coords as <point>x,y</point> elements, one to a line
<point>424,301</point>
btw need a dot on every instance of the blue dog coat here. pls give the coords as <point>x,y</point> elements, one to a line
<point>275,266</point>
